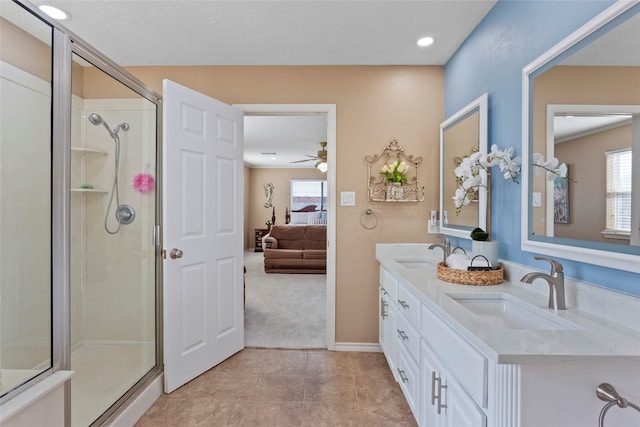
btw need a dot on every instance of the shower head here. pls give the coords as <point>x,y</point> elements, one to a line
<point>95,119</point>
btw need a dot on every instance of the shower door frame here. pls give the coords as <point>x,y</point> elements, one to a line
<point>86,52</point>
<point>65,44</point>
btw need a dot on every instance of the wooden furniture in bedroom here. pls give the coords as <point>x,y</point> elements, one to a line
<point>259,234</point>
<point>287,212</point>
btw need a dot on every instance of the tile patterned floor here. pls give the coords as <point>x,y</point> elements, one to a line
<point>267,387</point>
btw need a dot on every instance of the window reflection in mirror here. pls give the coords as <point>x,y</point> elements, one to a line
<point>586,94</point>
<point>590,139</point>
<point>591,75</point>
<point>461,135</point>
<point>25,191</point>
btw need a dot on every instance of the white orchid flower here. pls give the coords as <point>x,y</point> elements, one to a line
<point>460,198</point>
<point>562,170</point>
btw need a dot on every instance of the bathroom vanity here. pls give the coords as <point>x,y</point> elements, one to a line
<point>496,356</point>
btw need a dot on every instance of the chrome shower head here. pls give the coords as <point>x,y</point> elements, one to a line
<point>97,120</point>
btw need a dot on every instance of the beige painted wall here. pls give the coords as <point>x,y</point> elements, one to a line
<point>374,104</point>
<point>25,51</point>
<point>257,214</point>
<point>565,85</point>
<point>587,195</point>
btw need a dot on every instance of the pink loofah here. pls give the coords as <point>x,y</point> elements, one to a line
<point>143,183</point>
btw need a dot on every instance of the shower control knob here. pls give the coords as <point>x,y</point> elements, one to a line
<point>175,253</point>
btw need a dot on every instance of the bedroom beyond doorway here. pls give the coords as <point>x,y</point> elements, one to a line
<point>283,310</point>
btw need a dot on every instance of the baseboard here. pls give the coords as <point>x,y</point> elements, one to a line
<point>358,346</point>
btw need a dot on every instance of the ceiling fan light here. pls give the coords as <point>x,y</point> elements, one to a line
<point>322,166</point>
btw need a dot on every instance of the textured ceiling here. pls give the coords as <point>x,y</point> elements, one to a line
<point>271,32</point>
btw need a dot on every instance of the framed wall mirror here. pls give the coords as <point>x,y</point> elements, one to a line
<point>460,135</point>
<point>581,104</point>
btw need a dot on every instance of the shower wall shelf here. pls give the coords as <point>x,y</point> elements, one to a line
<point>88,190</point>
<point>379,190</point>
<point>89,150</point>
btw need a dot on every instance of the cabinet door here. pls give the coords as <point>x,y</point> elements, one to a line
<point>461,410</point>
<point>386,331</point>
<point>443,400</point>
<point>430,374</point>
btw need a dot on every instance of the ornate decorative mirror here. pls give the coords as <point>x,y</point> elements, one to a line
<point>461,135</point>
<point>581,104</point>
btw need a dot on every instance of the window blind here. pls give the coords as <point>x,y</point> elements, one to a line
<point>619,190</point>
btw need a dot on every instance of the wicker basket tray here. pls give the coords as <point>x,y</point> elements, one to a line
<point>464,277</point>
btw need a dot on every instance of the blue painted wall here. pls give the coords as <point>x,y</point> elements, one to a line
<point>514,33</point>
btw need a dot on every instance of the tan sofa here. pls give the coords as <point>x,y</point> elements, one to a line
<point>296,249</point>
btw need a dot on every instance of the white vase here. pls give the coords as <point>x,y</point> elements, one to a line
<point>488,249</point>
<point>394,191</point>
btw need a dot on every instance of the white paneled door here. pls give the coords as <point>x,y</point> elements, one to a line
<point>203,232</point>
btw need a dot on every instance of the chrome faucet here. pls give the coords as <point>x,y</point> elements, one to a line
<point>445,246</point>
<point>555,279</point>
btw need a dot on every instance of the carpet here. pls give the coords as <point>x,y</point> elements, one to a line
<point>283,310</point>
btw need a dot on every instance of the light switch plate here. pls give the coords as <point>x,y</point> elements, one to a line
<point>537,199</point>
<point>347,198</point>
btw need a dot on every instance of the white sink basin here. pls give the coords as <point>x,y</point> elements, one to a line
<point>505,311</point>
<point>415,263</point>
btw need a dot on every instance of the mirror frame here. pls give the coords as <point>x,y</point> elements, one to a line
<point>616,260</point>
<point>480,104</point>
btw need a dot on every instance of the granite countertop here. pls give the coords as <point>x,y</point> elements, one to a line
<point>591,336</point>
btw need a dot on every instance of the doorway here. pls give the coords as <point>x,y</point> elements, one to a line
<point>330,111</point>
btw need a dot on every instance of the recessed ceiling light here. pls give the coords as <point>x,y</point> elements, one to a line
<point>55,12</point>
<point>425,41</point>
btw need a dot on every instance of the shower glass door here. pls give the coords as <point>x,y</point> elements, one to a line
<point>113,257</point>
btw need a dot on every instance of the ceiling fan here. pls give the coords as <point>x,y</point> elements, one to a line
<point>320,158</point>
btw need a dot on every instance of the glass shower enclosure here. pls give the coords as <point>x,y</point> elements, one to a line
<point>83,207</point>
<point>112,251</point>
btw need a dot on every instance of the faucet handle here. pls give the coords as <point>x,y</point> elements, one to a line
<point>556,267</point>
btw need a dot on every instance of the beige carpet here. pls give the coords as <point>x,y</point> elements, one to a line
<point>283,310</point>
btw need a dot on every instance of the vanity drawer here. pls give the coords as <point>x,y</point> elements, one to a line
<point>408,337</point>
<point>408,375</point>
<point>461,359</point>
<point>388,284</point>
<point>409,305</point>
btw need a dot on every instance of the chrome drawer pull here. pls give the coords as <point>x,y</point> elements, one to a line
<point>433,387</point>
<point>383,308</point>
<point>403,377</point>
<point>403,335</point>
<point>440,404</point>
<point>403,304</point>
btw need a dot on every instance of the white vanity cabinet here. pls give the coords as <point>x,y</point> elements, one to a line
<point>387,318</point>
<point>444,401</point>
<point>456,369</point>
<point>399,336</point>
<point>448,399</point>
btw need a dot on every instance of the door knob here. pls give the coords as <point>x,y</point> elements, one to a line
<point>175,253</point>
